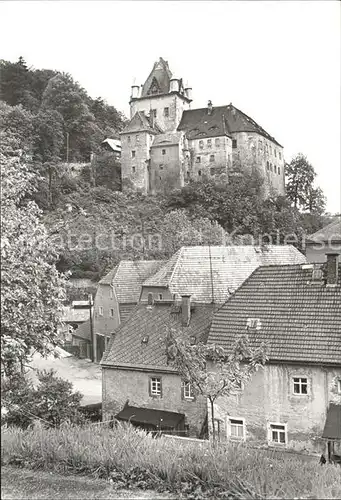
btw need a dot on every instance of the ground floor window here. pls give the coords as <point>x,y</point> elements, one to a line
<point>237,428</point>
<point>278,433</point>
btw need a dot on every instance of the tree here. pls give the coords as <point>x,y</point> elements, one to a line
<point>52,401</point>
<point>213,372</point>
<point>32,290</point>
<point>300,178</point>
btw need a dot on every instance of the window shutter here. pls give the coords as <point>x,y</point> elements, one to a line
<point>150,386</point>
<point>182,390</point>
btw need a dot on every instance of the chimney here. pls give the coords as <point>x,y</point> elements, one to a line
<point>188,92</point>
<point>186,309</point>
<point>332,268</point>
<point>209,107</point>
<point>135,90</point>
<point>150,300</point>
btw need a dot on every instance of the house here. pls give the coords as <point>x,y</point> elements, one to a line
<point>138,383</point>
<point>327,239</point>
<point>183,295</point>
<point>166,143</point>
<point>117,295</point>
<point>72,319</point>
<point>295,401</point>
<point>113,146</point>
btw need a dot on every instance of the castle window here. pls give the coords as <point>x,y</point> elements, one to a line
<point>209,143</point>
<point>199,173</point>
<point>163,151</point>
<point>267,165</point>
<point>234,143</point>
<point>270,150</point>
<point>128,139</point>
<point>201,144</point>
<point>271,167</point>
<point>161,167</point>
<point>217,142</point>
<point>280,155</point>
<point>212,158</point>
<point>186,389</point>
<point>166,112</point>
<point>100,310</point>
<point>198,159</point>
<point>133,153</point>
<point>133,169</point>
<point>137,139</point>
<point>154,111</point>
<point>278,170</point>
<point>112,313</point>
<point>275,153</point>
<point>275,169</point>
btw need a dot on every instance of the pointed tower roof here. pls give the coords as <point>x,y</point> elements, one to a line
<point>158,80</point>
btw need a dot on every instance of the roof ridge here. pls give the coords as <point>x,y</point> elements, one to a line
<point>176,264</point>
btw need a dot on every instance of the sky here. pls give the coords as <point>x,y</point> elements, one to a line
<point>278,61</point>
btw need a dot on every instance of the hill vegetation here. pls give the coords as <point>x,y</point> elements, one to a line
<point>47,118</point>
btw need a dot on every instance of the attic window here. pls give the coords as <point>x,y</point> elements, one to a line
<point>160,296</point>
<point>201,134</point>
<point>209,143</point>
<point>201,144</point>
<point>234,143</point>
<point>214,127</point>
<point>253,323</point>
<point>145,339</point>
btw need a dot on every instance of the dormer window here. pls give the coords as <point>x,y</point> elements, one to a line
<point>145,339</point>
<point>253,323</point>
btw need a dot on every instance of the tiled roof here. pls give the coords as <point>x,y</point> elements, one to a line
<point>224,120</point>
<point>129,276</point>
<point>161,74</point>
<point>83,331</point>
<point>167,139</point>
<point>141,123</point>
<point>332,428</point>
<point>125,311</point>
<point>115,144</point>
<point>300,317</point>
<point>331,232</point>
<point>126,347</point>
<point>188,272</point>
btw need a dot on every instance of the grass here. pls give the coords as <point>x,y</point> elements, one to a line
<point>131,458</point>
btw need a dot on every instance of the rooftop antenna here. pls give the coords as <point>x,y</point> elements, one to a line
<point>211,272</point>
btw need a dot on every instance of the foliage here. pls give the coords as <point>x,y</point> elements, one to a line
<point>130,457</point>
<point>300,185</point>
<point>51,402</point>
<point>213,372</point>
<point>32,290</point>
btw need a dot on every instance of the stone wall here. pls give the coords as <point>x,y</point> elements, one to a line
<point>203,149</point>
<point>118,386</point>
<point>165,164</point>
<point>255,150</point>
<point>135,158</point>
<point>174,102</point>
<point>269,398</point>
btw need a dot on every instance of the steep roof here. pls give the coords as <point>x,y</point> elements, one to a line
<point>331,232</point>
<point>140,122</point>
<point>332,428</point>
<point>300,317</point>
<point>126,347</point>
<point>167,139</point>
<point>127,278</point>
<point>159,78</point>
<point>223,120</point>
<point>189,270</point>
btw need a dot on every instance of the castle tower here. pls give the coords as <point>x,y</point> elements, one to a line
<point>163,96</point>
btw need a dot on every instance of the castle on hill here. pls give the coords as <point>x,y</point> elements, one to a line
<point>166,143</point>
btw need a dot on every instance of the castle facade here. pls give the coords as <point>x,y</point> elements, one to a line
<point>166,143</point>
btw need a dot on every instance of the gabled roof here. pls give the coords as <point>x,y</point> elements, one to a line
<point>189,271</point>
<point>127,278</point>
<point>159,78</point>
<point>223,120</point>
<point>167,139</point>
<point>300,317</point>
<point>126,348</point>
<point>140,122</point>
<point>331,232</point>
<point>115,144</point>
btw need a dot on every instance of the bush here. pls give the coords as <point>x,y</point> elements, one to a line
<point>130,457</point>
<point>52,401</point>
